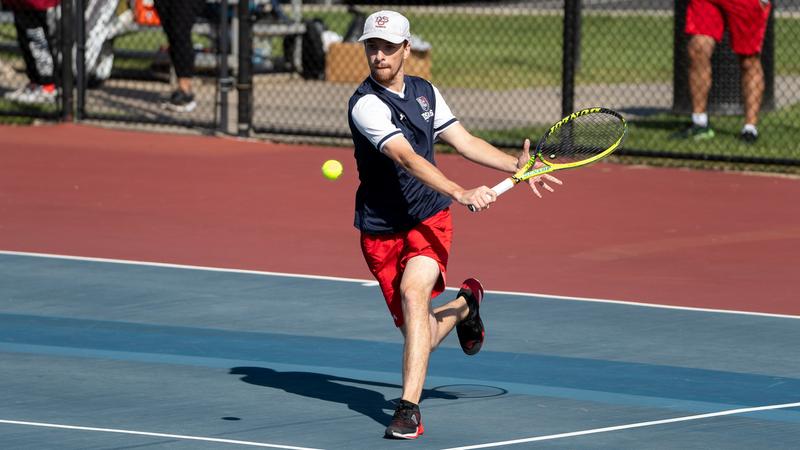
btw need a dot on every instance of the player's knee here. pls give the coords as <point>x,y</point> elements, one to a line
<point>750,62</point>
<point>415,300</point>
<point>700,48</point>
<point>696,55</point>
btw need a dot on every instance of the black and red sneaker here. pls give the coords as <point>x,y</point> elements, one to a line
<point>470,330</point>
<point>406,422</point>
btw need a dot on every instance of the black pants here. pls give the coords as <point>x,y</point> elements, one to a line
<point>36,31</point>
<point>177,18</point>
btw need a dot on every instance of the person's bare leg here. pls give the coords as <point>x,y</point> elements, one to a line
<point>419,278</point>
<point>445,318</point>
<point>752,87</point>
<point>700,49</point>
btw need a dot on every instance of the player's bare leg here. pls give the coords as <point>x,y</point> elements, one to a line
<point>752,86</point>
<point>700,49</point>
<point>419,278</point>
<point>445,318</point>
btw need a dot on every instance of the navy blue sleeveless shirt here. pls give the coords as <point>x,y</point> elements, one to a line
<point>389,199</point>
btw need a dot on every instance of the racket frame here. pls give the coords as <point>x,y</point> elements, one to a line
<point>525,172</point>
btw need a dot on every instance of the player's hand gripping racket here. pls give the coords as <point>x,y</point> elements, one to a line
<point>579,139</point>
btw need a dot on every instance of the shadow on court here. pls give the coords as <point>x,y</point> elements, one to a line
<point>331,388</point>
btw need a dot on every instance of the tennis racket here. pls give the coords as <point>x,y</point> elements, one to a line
<point>581,138</point>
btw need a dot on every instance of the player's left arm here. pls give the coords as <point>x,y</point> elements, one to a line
<point>481,152</point>
<point>477,150</point>
<point>399,150</point>
<point>449,130</point>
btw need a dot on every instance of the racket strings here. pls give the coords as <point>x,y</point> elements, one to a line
<point>582,138</point>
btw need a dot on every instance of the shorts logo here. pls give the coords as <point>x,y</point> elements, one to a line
<point>427,113</point>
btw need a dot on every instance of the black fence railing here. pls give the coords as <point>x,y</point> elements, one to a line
<point>508,68</point>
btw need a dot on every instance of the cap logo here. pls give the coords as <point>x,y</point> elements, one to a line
<point>381,21</point>
<point>386,25</point>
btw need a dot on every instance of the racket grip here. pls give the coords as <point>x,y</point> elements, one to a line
<point>501,187</point>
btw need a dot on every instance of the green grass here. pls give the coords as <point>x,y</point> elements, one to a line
<point>490,53</point>
<point>777,130</point>
<point>525,51</point>
<point>16,120</point>
<point>147,39</point>
<point>787,47</point>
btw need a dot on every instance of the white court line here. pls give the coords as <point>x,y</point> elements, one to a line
<point>374,283</point>
<point>161,435</point>
<point>629,426</point>
<point>648,305</point>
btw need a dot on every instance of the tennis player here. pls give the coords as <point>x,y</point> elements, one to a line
<point>403,204</point>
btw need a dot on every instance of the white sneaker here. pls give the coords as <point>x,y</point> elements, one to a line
<point>14,95</point>
<point>32,94</point>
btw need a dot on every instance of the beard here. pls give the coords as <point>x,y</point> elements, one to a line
<point>385,75</point>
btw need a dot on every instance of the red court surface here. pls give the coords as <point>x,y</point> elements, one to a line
<point>668,236</point>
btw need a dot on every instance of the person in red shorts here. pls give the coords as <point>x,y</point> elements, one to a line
<point>747,23</point>
<point>403,205</point>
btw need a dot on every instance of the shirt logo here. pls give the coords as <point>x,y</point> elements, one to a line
<point>427,112</point>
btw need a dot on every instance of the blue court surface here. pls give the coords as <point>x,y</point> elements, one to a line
<point>100,354</point>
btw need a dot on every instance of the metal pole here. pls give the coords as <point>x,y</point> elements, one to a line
<point>67,42</point>
<point>80,58</point>
<point>244,83</point>
<point>569,57</point>
<point>224,81</point>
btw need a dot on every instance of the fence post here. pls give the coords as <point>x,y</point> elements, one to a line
<point>244,84</point>
<point>80,58</point>
<point>67,43</point>
<point>572,12</point>
<point>224,82</point>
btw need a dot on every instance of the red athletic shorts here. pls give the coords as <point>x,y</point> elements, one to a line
<point>387,255</point>
<point>746,20</point>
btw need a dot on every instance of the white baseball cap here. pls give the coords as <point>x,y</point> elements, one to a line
<point>387,25</point>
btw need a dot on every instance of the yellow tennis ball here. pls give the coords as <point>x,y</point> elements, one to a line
<point>332,169</point>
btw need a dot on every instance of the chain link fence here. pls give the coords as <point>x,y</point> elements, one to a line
<point>508,69</point>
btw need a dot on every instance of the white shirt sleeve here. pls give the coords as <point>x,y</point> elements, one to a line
<point>373,119</point>
<point>443,117</point>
